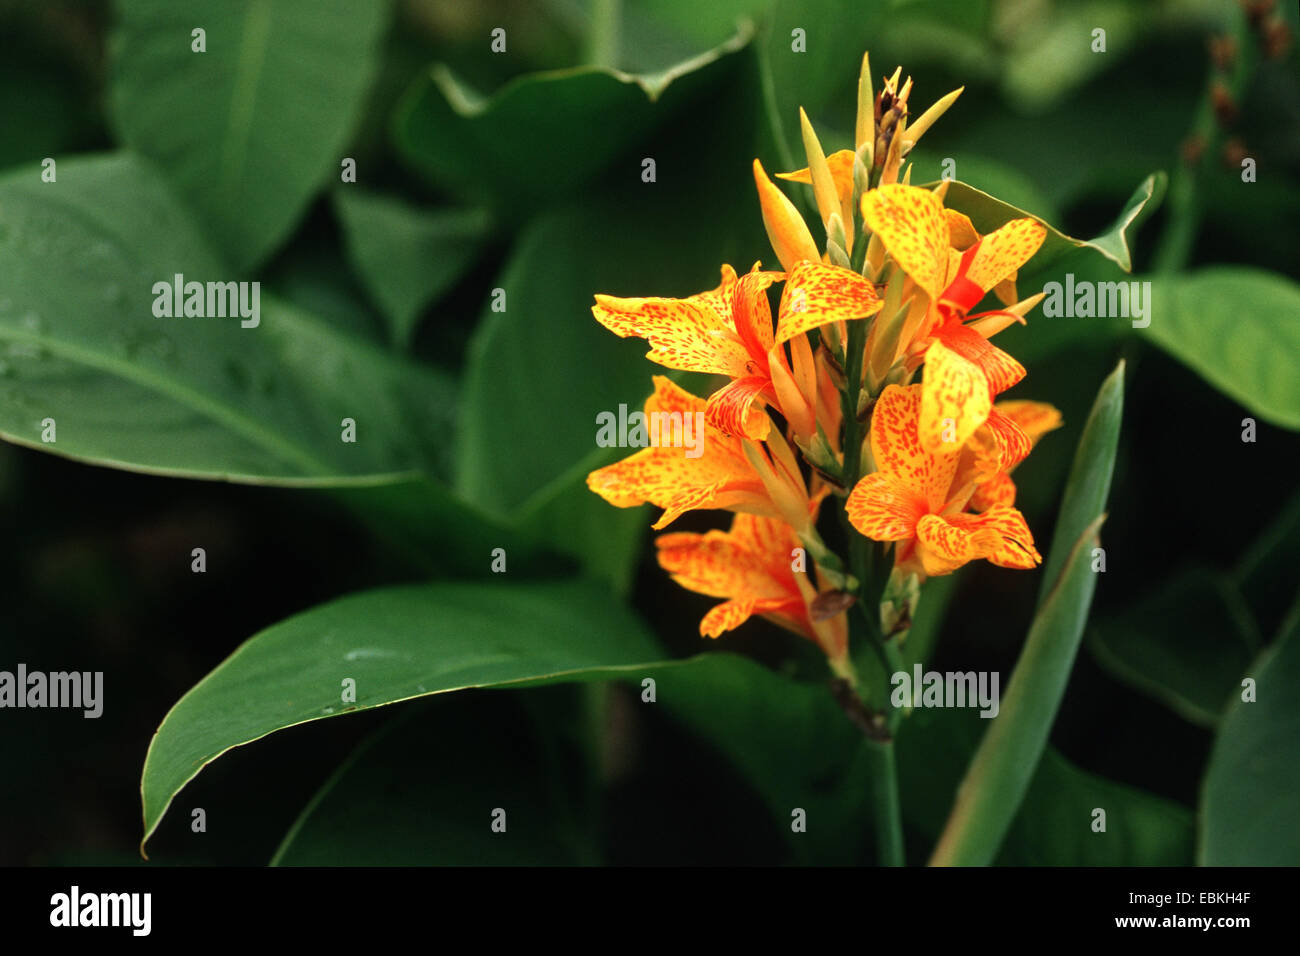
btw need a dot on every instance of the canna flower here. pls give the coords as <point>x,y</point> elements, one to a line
<point>913,499</point>
<point>728,331</point>
<point>752,566</point>
<point>963,370</point>
<point>731,473</point>
<point>1035,419</point>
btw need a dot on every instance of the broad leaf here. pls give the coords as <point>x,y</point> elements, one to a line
<point>790,740</point>
<point>1248,800</point>
<point>1236,327</point>
<point>536,138</point>
<point>393,644</point>
<point>252,128</point>
<point>423,791</point>
<point>190,396</point>
<point>1186,645</point>
<point>1115,243</point>
<point>407,256</point>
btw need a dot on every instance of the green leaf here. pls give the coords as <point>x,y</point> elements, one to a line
<point>1000,773</point>
<point>541,369</point>
<point>252,128</point>
<point>790,740</point>
<point>406,256</point>
<point>1053,824</point>
<point>1235,327</point>
<point>421,792</point>
<point>535,140</point>
<point>187,396</point>
<point>1248,813</point>
<point>396,644</point>
<point>988,213</point>
<point>1185,645</point>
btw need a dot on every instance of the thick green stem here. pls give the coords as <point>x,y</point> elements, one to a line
<point>887,812</point>
<point>602,38</point>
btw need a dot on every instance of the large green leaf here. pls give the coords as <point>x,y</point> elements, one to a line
<point>1115,243</point>
<point>790,740</point>
<point>1248,812</point>
<point>407,256</point>
<point>252,128</point>
<point>537,138</point>
<point>1236,327</point>
<point>1053,826</point>
<point>395,644</point>
<point>422,791</point>
<point>1185,645</point>
<point>198,397</point>
<point>542,369</point>
<point>1000,773</point>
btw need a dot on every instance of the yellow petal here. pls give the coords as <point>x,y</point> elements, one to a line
<point>882,508</point>
<point>737,408</point>
<point>1035,419</point>
<point>898,452</point>
<point>910,222</point>
<point>693,334</point>
<point>786,229</point>
<point>954,400</point>
<point>816,294</point>
<point>942,547</point>
<point>669,476</point>
<point>1001,536</point>
<point>1002,252</point>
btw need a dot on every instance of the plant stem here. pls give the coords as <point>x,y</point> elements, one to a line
<point>1206,138</point>
<point>887,811</point>
<point>602,39</point>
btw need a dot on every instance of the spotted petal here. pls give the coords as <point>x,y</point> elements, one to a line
<point>817,294</point>
<point>954,400</point>
<point>911,223</point>
<point>897,449</point>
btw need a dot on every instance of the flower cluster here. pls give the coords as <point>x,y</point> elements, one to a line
<point>819,402</point>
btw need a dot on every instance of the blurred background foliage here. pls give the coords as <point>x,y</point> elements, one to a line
<point>521,171</point>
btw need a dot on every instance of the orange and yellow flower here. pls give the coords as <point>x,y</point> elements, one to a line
<point>964,372</point>
<point>753,566</point>
<point>728,331</point>
<point>730,472</point>
<point>913,499</point>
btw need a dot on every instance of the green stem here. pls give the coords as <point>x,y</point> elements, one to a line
<point>887,812</point>
<point>602,39</point>
<point>1183,199</point>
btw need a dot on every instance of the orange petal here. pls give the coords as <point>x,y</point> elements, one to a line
<point>736,408</point>
<point>669,477</point>
<point>1035,419</point>
<point>1002,536</point>
<point>786,229</point>
<point>1011,443</point>
<point>841,167</point>
<point>897,450</point>
<point>752,315</point>
<point>817,294</point>
<point>882,508</point>
<point>943,547</point>
<point>1000,369</point>
<point>693,334</point>
<point>1005,250</point>
<point>750,565</point>
<point>910,221</point>
<point>954,400</point>
<point>999,490</point>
